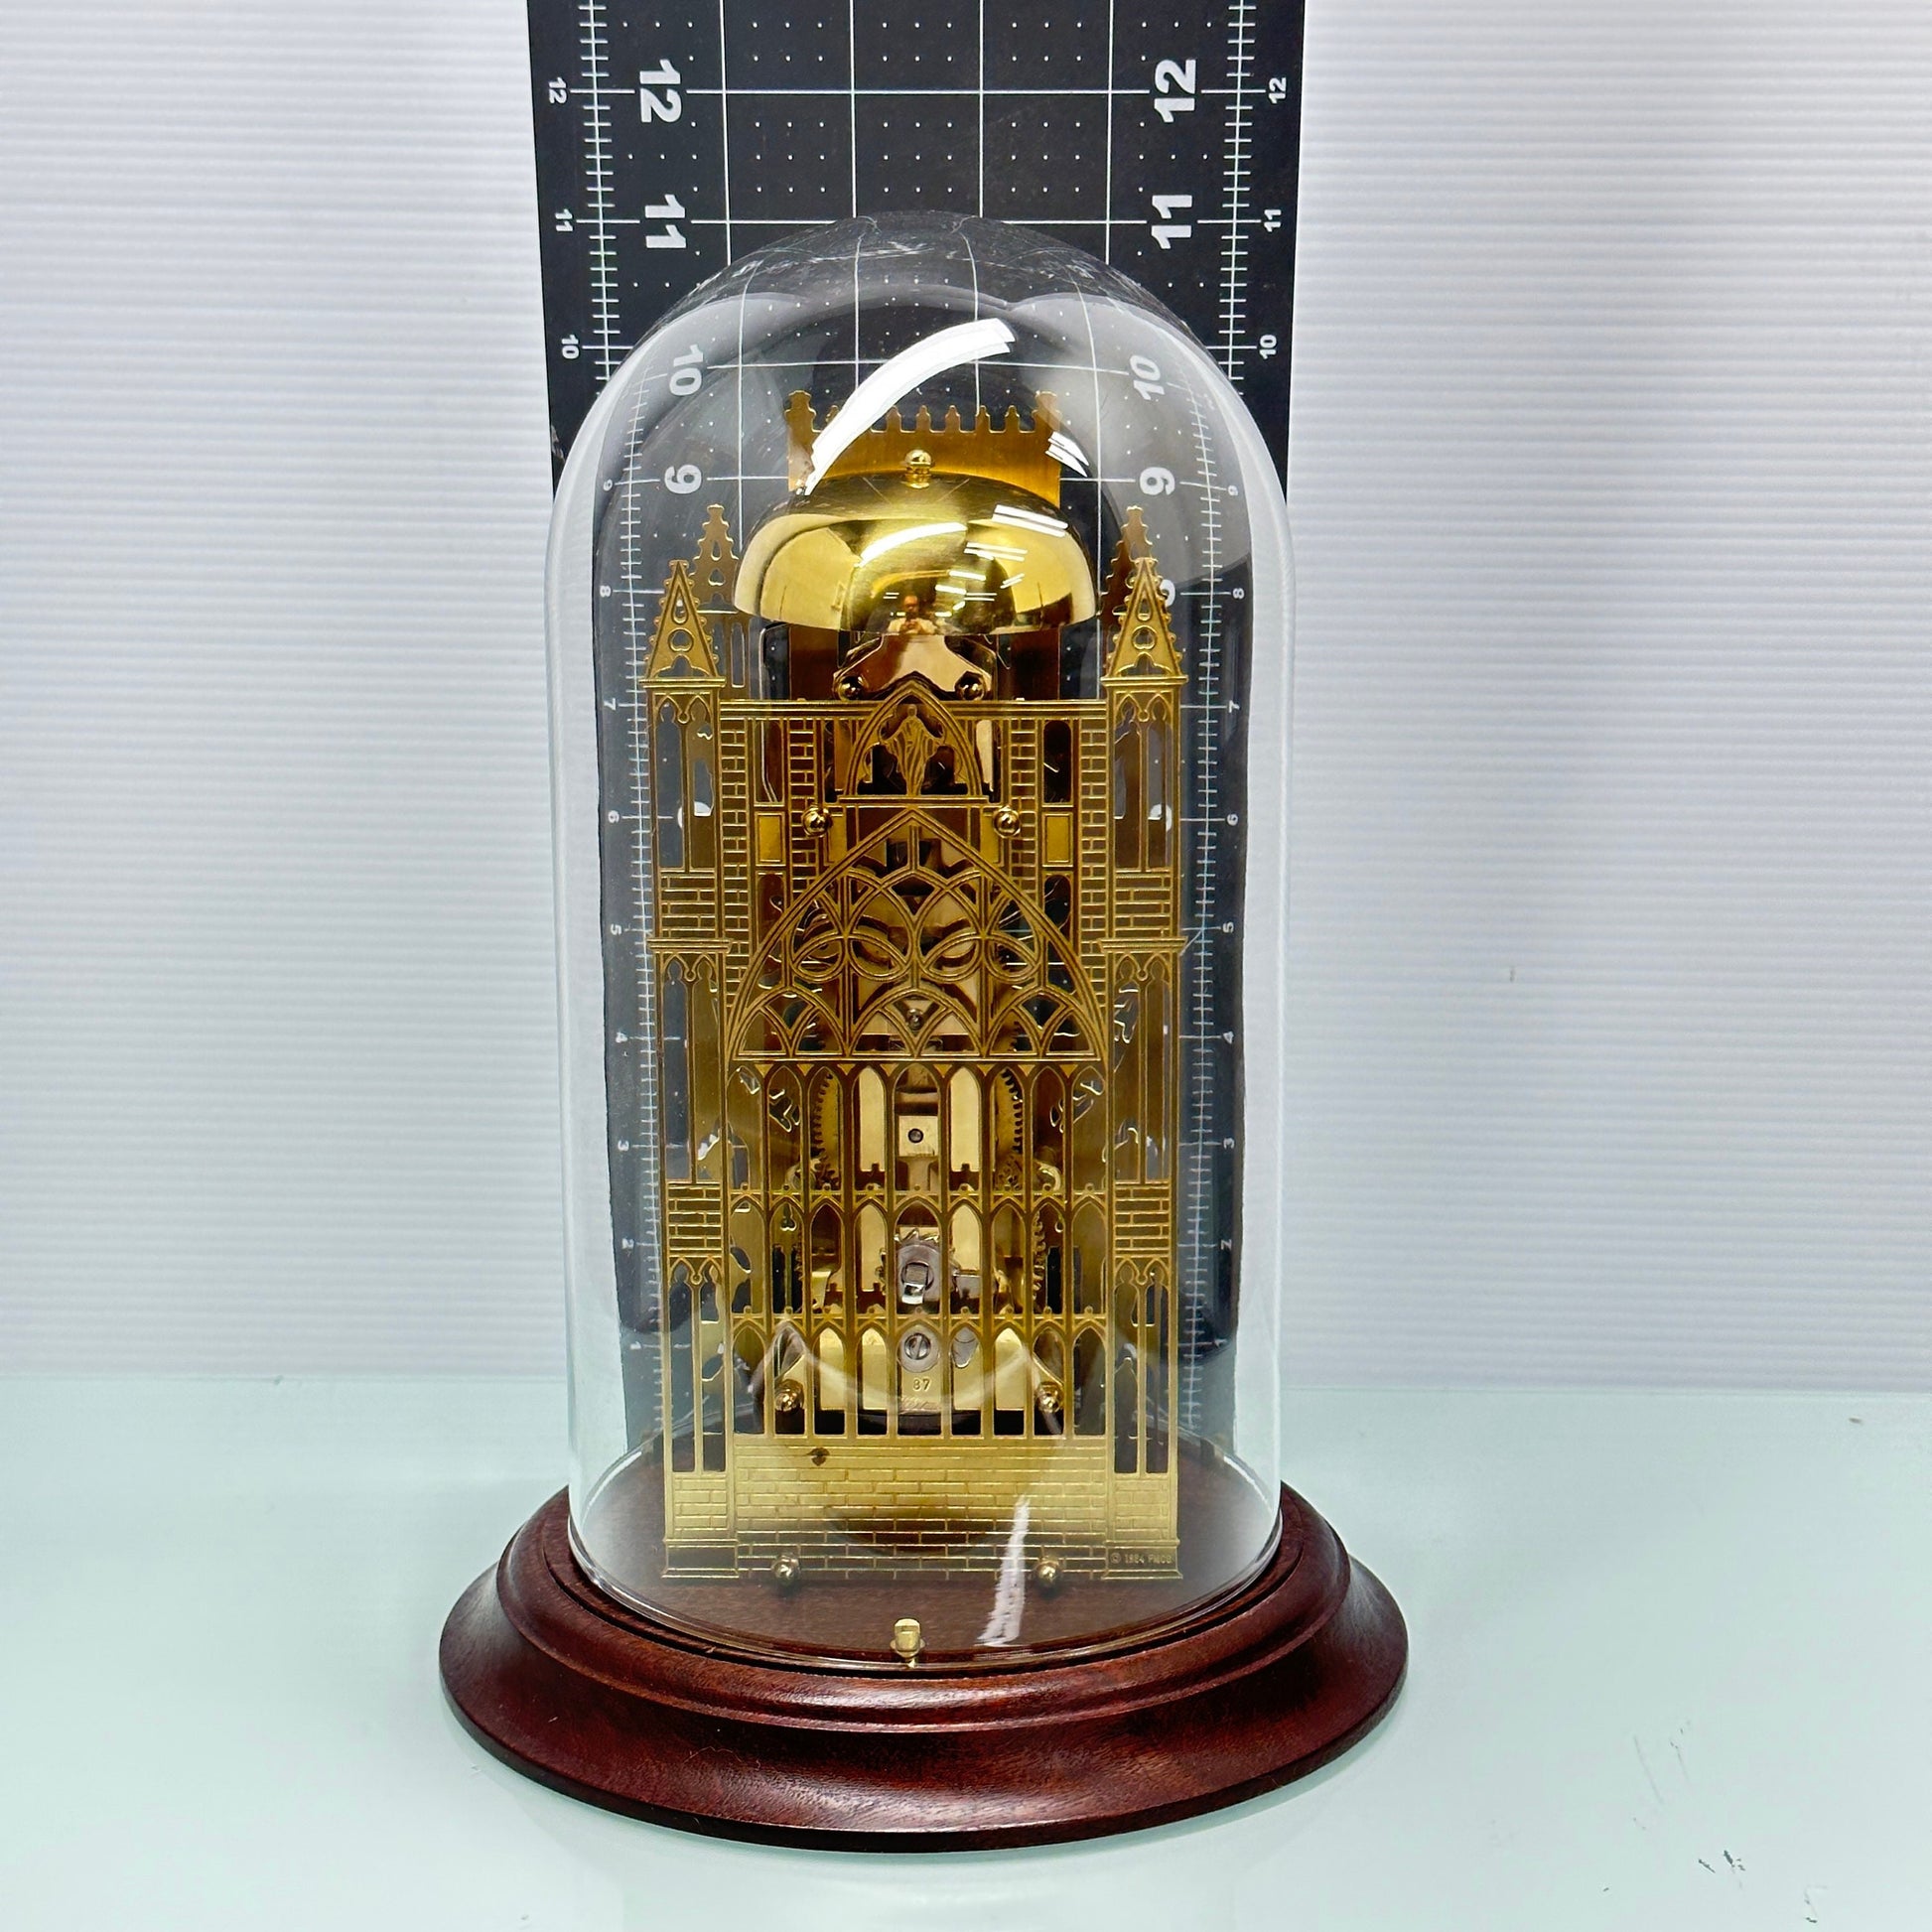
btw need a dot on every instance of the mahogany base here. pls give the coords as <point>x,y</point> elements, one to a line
<point>597,1700</point>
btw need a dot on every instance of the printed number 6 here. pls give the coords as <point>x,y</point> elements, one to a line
<point>682,478</point>
<point>1158,483</point>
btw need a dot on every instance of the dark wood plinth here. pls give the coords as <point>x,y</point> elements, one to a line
<point>598,1701</point>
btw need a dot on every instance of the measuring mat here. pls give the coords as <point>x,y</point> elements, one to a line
<point>1164,139</point>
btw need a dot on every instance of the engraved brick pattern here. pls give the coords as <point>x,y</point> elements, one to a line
<point>687,903</point>
<point>694,1220</point>
<point>735,845</point>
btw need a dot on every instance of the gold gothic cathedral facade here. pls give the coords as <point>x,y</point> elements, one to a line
<point>915,950</point>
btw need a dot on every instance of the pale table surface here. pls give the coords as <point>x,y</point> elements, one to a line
<point>1672,1667</point>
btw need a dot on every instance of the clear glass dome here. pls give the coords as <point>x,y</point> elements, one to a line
<point>920,613</point>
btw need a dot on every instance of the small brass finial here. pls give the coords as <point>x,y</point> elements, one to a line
<point>907,1640</point>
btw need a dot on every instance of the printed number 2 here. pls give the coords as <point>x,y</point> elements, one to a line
<point>658,99</point>
<point>1173,88</point>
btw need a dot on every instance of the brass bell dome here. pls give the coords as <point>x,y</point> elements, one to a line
<point>962,525</point>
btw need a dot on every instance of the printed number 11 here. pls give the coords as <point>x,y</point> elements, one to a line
<point>1167,231</point>
<point>670,211</point>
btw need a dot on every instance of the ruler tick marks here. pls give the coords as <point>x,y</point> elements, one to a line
<point>1234,252</point>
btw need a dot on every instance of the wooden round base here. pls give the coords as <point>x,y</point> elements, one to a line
<point>597,1700</point>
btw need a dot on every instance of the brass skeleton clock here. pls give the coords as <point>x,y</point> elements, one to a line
<point>919,602</point>
<point>916,952</point>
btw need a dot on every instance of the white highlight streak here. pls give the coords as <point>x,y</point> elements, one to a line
<point>945,348</point>
<point>1009,1591</point>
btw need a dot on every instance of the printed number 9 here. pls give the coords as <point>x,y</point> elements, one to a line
<point>682,478</point>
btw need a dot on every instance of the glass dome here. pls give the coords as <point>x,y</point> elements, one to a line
<point>917,592</point>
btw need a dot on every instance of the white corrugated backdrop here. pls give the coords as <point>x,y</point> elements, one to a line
<point>1612,487</point>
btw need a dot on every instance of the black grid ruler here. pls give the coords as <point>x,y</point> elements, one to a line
<point>1162,135</point>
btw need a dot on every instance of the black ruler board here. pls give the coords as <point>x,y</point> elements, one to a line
<point>1162,136</point>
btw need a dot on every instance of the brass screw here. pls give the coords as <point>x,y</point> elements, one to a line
<point>919,469</point>
<point>1048,1417</point>
<point>1007,819</point>
<point>784,1572</point>
<point>907,1640</point>
<point>1049,1572</point>
<point>817,818</point>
